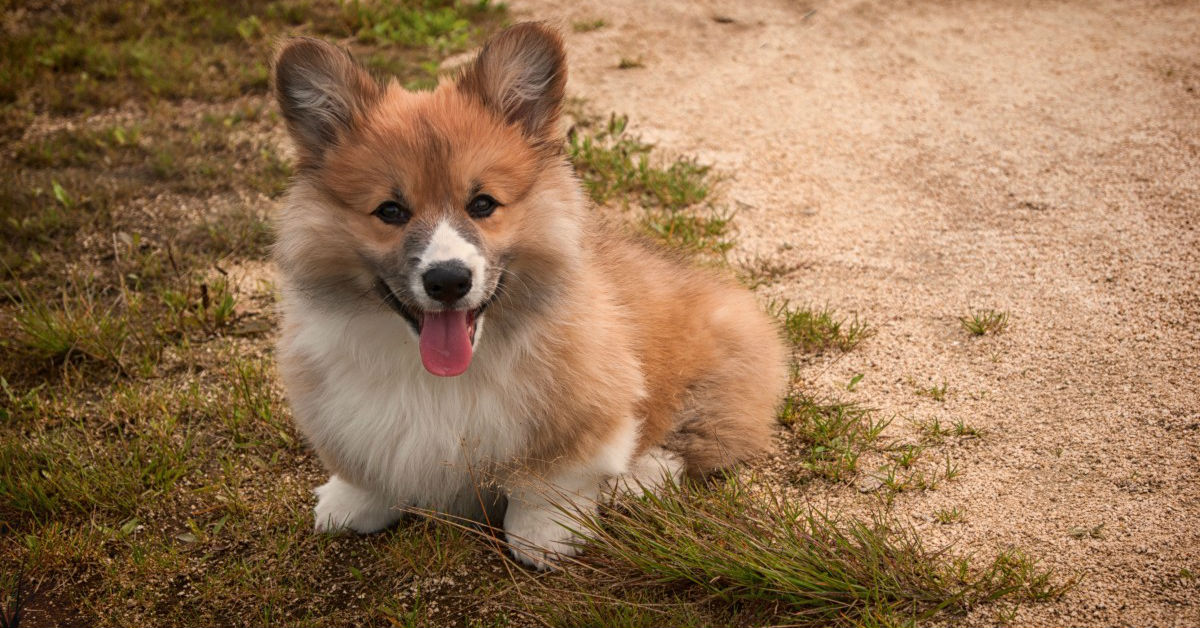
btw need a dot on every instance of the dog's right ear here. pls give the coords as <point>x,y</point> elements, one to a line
<point>322,92</point>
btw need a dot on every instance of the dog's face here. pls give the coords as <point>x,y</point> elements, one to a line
<point>416,199</point>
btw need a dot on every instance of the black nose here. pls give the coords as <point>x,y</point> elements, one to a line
<point>447,282</point>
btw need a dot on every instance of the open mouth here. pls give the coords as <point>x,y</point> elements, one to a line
<point>446,337</point>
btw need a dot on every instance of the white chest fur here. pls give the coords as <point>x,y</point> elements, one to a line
<point>419,439</point>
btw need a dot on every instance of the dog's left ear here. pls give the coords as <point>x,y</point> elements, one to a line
<point>521,74</point>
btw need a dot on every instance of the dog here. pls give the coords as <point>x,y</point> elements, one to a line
<point>462,333</point>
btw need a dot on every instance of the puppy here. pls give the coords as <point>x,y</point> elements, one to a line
<point>460,331</point>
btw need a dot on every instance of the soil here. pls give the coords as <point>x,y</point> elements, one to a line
<point>911,162</point>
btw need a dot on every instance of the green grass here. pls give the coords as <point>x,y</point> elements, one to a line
<point>439,26</point>
<point>587,26</point>
<point>84,56</point>
<point>984,322</point>
<point>672,197</point>
<point>746,557</point>
<point>813,330</point>
<point>947,516</point>
<point>615,165</point>
<point>834,434</point>
<point>936,392</point>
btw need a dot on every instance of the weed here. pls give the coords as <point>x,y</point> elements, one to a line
<point>934,392</point>
<point>614,165</point>
<point>950,470</point>
<point>587,26</point>
<point>962,430</point>
<point>705,232</point>
<point>932,431</point>
<point>761,271</point>
<point>769,560</point>
<point>81,326</point>
<point>816,331</point>
<point>907,455</point>
<point>444,28</point>
<point>985,322</point>
<point>946,516</point>
<point>629,63</point>
<point>835,433</point>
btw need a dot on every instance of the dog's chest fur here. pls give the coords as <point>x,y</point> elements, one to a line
<point>423,440</point>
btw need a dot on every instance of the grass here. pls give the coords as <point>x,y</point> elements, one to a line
<point>739,556</point>
<point>149,470</point>
<point>86,56</point>
<point>587,26</point>
<point>761,271</point>
<point>672,198</point>
<point>813,330</point>
<point>833,434</point>
<point>936,392</point>
<point>985,322</point>
<point>947,516</point>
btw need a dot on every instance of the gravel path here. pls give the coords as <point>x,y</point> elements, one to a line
<point>918,160</point>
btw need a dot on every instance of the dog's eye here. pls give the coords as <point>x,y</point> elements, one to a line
<point>482,206</point>
<point>392,213</point>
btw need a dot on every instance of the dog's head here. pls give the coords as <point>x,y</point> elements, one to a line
<point>423,202</point>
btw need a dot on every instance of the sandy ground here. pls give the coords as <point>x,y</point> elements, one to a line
<point>918,160</point>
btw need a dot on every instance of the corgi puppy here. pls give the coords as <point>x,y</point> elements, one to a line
<point>460,331</point>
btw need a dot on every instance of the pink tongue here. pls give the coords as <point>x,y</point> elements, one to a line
<point>446,343</point>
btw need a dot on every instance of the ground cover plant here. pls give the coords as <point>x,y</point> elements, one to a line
<point>149,472</point>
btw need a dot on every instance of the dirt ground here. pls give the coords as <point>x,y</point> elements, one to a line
<point>915,161</point>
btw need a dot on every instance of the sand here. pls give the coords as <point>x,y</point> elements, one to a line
<point>915,161</point>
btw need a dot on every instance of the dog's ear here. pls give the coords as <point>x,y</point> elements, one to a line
<point>521,74</point>
<point>322,92</point>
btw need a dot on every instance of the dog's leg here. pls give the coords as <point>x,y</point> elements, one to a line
<point>545,515</point>
<point>651,471</point>
<point>342,505</point>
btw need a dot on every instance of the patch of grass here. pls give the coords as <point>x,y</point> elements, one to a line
<point>962,430</point>
<point>440,26</point>
<point>934,432</point>
<point>903,475</point>
<point>760,559</point>
<point>761,271</point>
<point>66,470</point>
<point>705,231</point>
<point>81,56</point>
<point>629,63</point>
<point>985,322</point>
<point>616,166</point>
<point>936,392</point>
<point>834,433</point>
<point>947,516</point>
<point>83,147</point>
<point>813,330</point>
<point>908,454</point>
<point>587,26</point>
<point>80,325</point>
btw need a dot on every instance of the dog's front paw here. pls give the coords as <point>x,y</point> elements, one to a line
<point>538,538</point>
<point>343,506</point>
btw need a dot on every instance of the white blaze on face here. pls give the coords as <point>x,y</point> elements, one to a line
<point>447,245</point>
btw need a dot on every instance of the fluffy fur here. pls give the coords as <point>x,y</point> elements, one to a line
<point>596,357</point>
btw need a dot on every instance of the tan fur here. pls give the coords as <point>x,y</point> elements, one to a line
<point>598,325</point>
